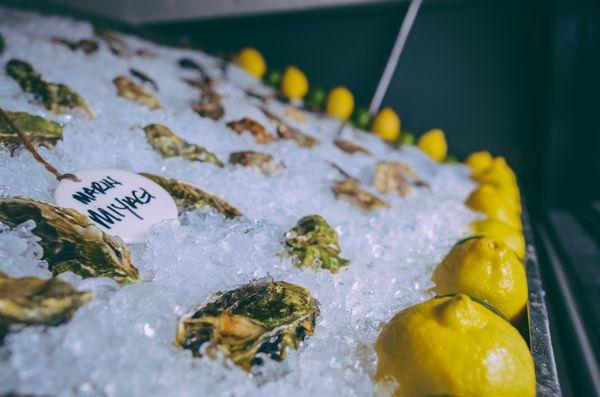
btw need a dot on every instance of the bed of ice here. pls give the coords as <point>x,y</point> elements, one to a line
<point>121,343</point>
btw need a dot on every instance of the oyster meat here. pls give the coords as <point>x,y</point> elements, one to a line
<point>261,135</point>
<point>38,130</point>
<point>57,98</point>
<point>71,242</point>
<point>284,131</point>
<point>350,191</point>
<point>188,196</point>
<point>127,89</point>
<point>35,301</point>
<point>261,162</point>
<point>351,147</point>
<point>85,45</point>
<point>115,43</point>
<point>396,178</point>
<point>168,144</point>
<point>257,320</point>
<point>314,243</point>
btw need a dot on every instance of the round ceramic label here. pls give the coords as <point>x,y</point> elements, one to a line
<point>119,202</point>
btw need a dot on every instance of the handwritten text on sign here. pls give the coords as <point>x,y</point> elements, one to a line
<point>122,203</point>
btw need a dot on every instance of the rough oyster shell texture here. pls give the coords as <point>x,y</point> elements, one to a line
<point>261,162</point>
<point>38,130</point>
<point>127,89</point>
<point>350,191</point>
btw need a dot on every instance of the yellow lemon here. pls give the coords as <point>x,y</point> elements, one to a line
<point>433,143</point>
<point>294,83</point>
<point>453,346</point>
<point>479,161</point>
<point>488,200</point>
<point>340,103</point>
<point>252,61</point>
<point>498,173</point>
<point>487,269</point>
<point>386,124</point>
<point>503,232</point>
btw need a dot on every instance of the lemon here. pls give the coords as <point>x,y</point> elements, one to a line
<point>294,83</point>
<point>479,161</point>
<point>487,269</point>
<point>453,346</point>
<point>386,124</point>
<point>433,143</point>
<point>498,172</point>
<point>503,232</point>
<point>488,200</point>
<point>507,195</point>
<point>251,60</point>
<point>340,103</point>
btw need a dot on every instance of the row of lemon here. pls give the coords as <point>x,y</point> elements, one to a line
<point>338,103</point>
<point>463,342</point>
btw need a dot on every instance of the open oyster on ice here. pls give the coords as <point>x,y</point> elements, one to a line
<point>314,243</point>
<point>71,242</point>
<point>127,89</point>
<point>351,147</point>
<point>168,144</point>
<point>116,44</point>
<point>247,324</point>
<point>284,131</point>
<point>87,46</point>
<point>396,178</point>
<point>188,196</point>
<point>261,162</point>
<point>261,135</point>
<point>350,191</point>
<point>38,130</point>
<point>58,98</point>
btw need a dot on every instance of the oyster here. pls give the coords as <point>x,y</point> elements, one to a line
<point>57,98</point>
<point>115,43</point>
<point>188,196</point>
<point>257,320</point>
<point>71,242</point>
<point>209,105</point>
<point>254,127</point>
<point>38,130</point>
<point>188,63</point>
<point>33,301</point>
<point>143,78</point>
<point>396,178</point>
<point>164,141</point>
<point>87,46</point>
<point>261,162</point>
<point>145,53</point>
<point>351,147</point>
<point>127,89</point>
<point>314,243</point>
<point>284,131</point>
<point>350,191</point>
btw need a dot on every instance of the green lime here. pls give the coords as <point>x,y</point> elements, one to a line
<point>272,78</point>
<point>315,99</point>
<point>361,118</point>
<point>406,138</point>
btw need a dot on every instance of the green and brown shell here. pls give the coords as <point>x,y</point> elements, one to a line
<point>168,144</point>
<point>351,147</point>
<point>188,196</point>
<point>258,320</point>
<point>315,244</point>
<point>261,162</point>
<point>261,135</point>
<point>127,89</point>
<point>116,45</point>
<point>36,301</point>
<point>396,178</point>
<point>85,45</point>
<point>57,98</point>
<point>71,242</point>
<point>284,131</point>
<point>350,191</point>
<point>38,130</point>
<point>209,104</point>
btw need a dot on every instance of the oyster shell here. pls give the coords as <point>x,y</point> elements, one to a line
<point>57,98</point>
<point>261,162</point>
<point>284,131</point>
<point>188,196</point>
<point>87,46</point>
<point>261,135</point>
<point>34,301</point>
<point>257,320</point>
<point>115,43</point>
<point>188,63</point>
<point>164,141</point>
<point>127,89</point>
<point>141,76</point>
<point>314,243</point>
<point>351,147</point>
<point>38,130</point>
<point>350,191</point>
<point>396,178</point>
<point>71,242</point>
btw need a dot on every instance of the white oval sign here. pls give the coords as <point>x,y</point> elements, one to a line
<point>121,203</point>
